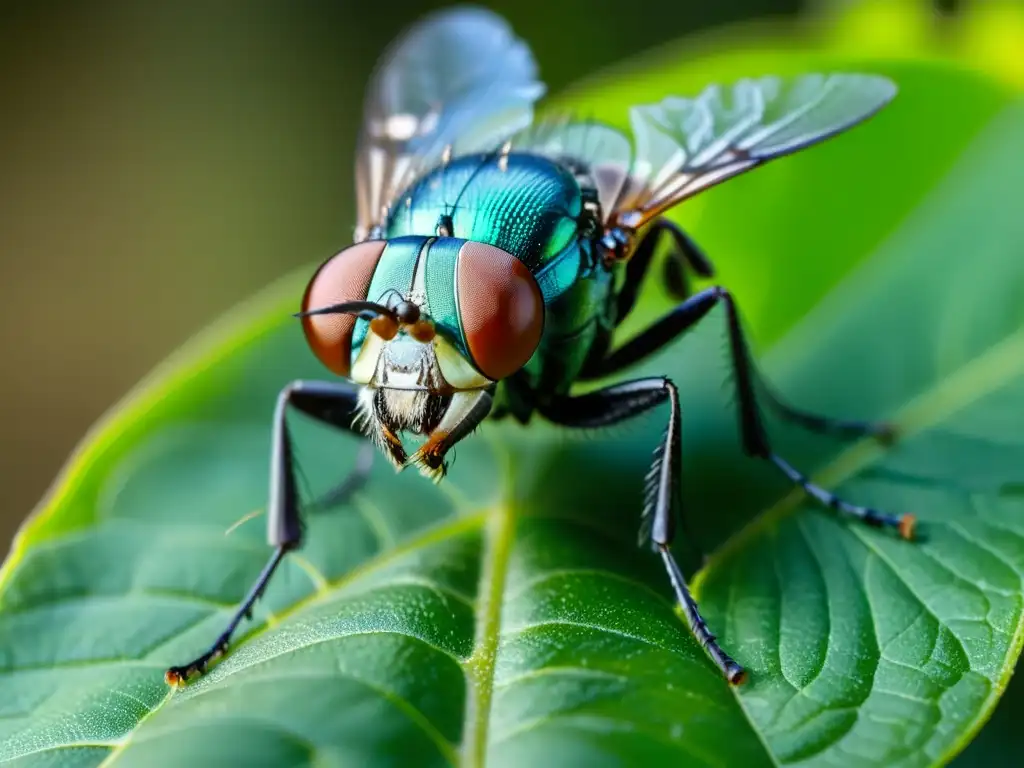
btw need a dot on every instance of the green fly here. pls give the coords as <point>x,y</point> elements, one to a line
<point>495,255</point>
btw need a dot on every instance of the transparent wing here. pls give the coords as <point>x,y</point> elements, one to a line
<point>603,152</point>
<point>457,75</point>
<point>682,146</point>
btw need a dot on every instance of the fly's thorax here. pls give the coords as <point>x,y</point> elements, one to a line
<point>477,314</point>
<point>525,204</point>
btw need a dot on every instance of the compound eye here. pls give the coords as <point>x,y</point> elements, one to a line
<point>344,277</point>
<point>500,307</point>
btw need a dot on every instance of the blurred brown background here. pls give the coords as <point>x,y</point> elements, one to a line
<point>163,160</point>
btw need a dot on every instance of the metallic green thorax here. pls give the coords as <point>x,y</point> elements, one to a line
<point>530,207</point>
<point>524,204</point>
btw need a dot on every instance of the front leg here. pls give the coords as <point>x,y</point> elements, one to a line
<point>617,403</point>
<point>466,411</point>
<point>331,403</point>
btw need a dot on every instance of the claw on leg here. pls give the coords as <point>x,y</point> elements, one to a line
<point>179,676</point>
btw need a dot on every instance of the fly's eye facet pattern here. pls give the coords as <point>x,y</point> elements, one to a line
<point>344,277</point>
<point>500,308</point>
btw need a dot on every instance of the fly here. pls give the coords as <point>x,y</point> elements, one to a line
<point>495,255</point>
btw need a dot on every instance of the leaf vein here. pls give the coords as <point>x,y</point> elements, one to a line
<point>885,560</point>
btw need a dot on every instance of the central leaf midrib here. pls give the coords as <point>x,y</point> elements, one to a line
<point>479,667</point>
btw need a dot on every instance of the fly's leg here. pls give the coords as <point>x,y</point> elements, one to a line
<point>684,253</point>
<point>662,499</point>
<point>331,403</point>
<point>668,329</point>
<point>753,436</point>
<point>883,431</point>
<point>179,675</point>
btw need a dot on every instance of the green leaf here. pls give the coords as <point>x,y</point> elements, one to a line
<point>506,616</point>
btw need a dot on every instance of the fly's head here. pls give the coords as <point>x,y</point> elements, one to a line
<point>428,357</point>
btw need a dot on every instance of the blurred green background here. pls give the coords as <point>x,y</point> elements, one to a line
<point>163,160</point>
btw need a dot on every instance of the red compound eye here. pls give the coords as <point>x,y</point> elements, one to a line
<point>500,307</point>
<point>345,277</point>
